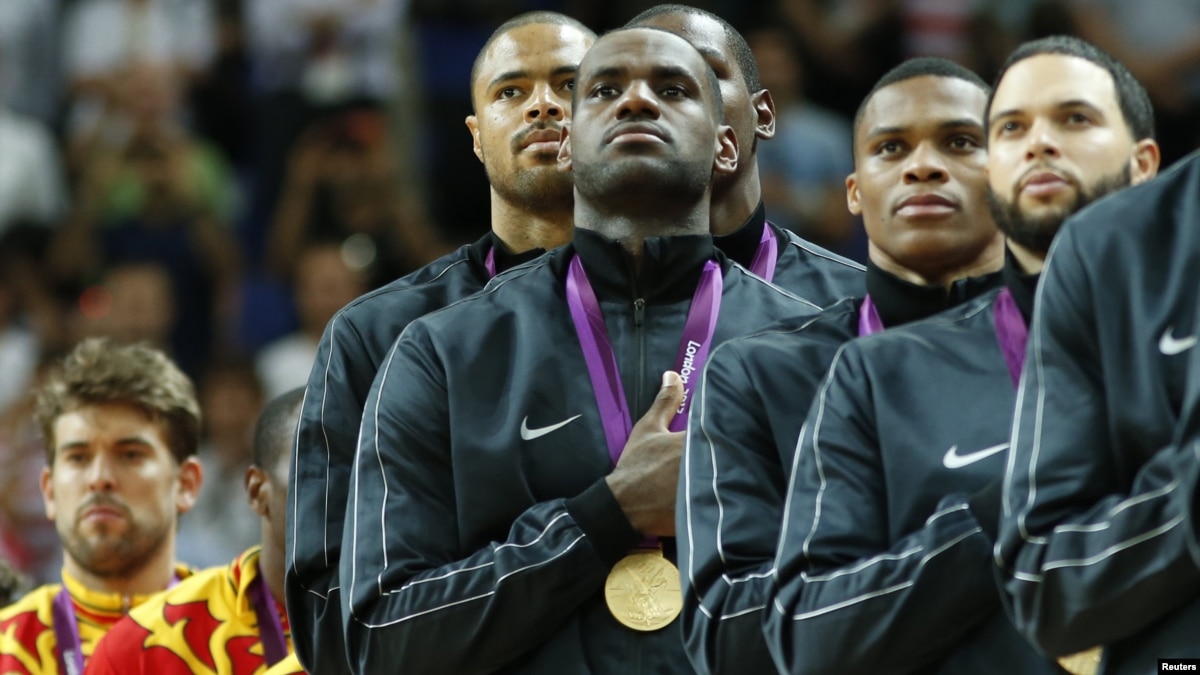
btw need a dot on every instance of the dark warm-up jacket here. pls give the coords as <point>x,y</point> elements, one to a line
<point>742,436</point>
<point>884,563</point>
<point>480,528</point>
<point>356,340</point>
<point>1098,537</point>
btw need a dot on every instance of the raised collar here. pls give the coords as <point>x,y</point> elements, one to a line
<point>505,259</point>
<point>742,244</point>
<point>104,603</point>
<point>1022,286</point>
<point>671,266</point>
<point>899,302</point>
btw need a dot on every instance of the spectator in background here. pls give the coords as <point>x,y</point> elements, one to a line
<point>804,168</point>
<point>29,73</point>
<point>322,284</point>
<point>13,584</point>
<point>219,527</point>
<point>132,302</point>
<point>32,189</point>
<point>341,185</point>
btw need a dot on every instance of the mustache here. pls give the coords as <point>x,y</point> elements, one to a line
<point>101,500</point>
<point>519,141</point>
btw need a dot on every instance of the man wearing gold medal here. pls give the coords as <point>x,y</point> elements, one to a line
<point>505,511</point>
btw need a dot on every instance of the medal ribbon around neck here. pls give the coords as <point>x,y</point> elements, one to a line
<point>869,322</point>
<point>270,629</point>
<point>763,264</point>
<point>66,630</point>
<point>1011,333</point>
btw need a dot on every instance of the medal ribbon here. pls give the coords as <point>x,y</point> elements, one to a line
<point>764,258</point>
<point>601,362</point>
<point>869,322</point>
<point>1011,333</point>
<point>270,630</point>
<point>489,262</point>
<point>66,631</point>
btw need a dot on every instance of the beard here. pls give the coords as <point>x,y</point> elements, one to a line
<point>113,554</point>
<point>542,189</point>
<point>663,181</point>
<point>1036,233</point>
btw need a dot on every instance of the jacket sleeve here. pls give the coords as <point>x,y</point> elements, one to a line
<point>730,503</point>
<point>1087,557</point>
<point>321,465</point>
<point>420,595</point>
<point>847,599</point>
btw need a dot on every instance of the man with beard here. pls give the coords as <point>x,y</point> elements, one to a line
<point>520,88</point>
<point>739,221</point>
<point>506,512</point>
<point>1098,538</point>
<point>885,563</point>
<point>920,185</point>
<point>121,425</point>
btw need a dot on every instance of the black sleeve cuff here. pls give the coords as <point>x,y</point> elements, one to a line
<point>985,506</point>
<point>603,521</point>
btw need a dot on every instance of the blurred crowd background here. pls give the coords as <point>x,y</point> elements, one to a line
<point>218,177</point>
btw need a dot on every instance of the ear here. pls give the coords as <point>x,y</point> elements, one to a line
<point>726,161</point>
<point>564,148</point>
<point>473,125</point>
<point>764,108</point>
<point>1143,165</point>
<point>853,196</point>
<point>258,489</point>
<point>48,493</point>
<point>191,477</point>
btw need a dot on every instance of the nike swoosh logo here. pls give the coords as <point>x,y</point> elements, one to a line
<point>1170,345</point>
<point>953,460</point>
<point>528,434</point>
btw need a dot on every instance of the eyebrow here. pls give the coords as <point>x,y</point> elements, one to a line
<point>657,72</point>
<point>511,75</point>
<point>948,124</point>
<point>1064,105</point>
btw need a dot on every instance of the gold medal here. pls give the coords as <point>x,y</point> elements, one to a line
<point>642,591</point>
<point>1086,662</point>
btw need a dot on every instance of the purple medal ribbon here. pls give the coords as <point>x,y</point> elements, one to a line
<point>489,262</point>
<point>602,362</point>
<point>270,630</point>
<point>763,264</point>
<point>66,631</point>
<point>1011,333</point>
<point>869,322</point>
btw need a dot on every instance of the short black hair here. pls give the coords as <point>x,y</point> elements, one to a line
<point>526,19</point>
<point>1131,95</point>
<point>921,66</point>
<point>276,428</point>
<point>733,39</point>
<point>717,105</point>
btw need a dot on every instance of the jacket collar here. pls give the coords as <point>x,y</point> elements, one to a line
<point>104,603</point>
<point>742,244</point>
<point>899,302</point>
<point>477,254</point>
<point>671,266</point>
<point>1022,286</point>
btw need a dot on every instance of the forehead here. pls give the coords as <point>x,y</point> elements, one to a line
<point>1047,80</point>
<point>924,104</point>
<point>536,49</point>
<point>106,421</point>
<point>703,32</point>
<point>641,51</point>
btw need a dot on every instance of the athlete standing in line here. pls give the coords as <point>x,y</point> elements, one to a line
<point>885,563</point>
<point>521,86</point>
<point>920,187</point>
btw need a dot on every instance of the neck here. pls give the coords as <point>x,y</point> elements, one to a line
<point>271,564</point>
<point>632,229</point>
<point>1027,260</point>
<point>990,259</point>
<point>152,576</point>
<point>732,204</point>
<point>522,230</point>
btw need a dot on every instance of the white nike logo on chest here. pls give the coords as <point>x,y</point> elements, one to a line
<point>528,434</point>
<point>953,460</point>
<point>1170,345</point>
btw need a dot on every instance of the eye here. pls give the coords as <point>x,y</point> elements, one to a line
<point>887,148</point>
<point>604,91</point>
<point>508,92</point>
<point>569,85</point>
<point>1078,118</point>
<point>674,91</point>
<point>74,458</point>
<point>966,143</point>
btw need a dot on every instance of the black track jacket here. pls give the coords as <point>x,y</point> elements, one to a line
<point>883,566</point>
<point>480,529</point>
<point>742,436</point>
<point>1098,537</point>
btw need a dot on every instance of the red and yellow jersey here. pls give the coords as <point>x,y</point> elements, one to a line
<point>204,626</point>
<point>288,666</point>
<point>28,645</point>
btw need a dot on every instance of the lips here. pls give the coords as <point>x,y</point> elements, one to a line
<point>1043,183</point>
<point>540,140</point>
<point>635,132</point>
<point>102,512</point>
<point>926,205</point>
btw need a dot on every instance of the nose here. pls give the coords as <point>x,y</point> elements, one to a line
<point>100,474</point>
<point>1043,141</point>
<point>544,105</point>
<point>925,163</point>
<point>638,100</point>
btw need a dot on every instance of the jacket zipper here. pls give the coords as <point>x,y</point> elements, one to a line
<point>639,317</point>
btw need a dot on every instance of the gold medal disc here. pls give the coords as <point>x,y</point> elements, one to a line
<point>642,591</point>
